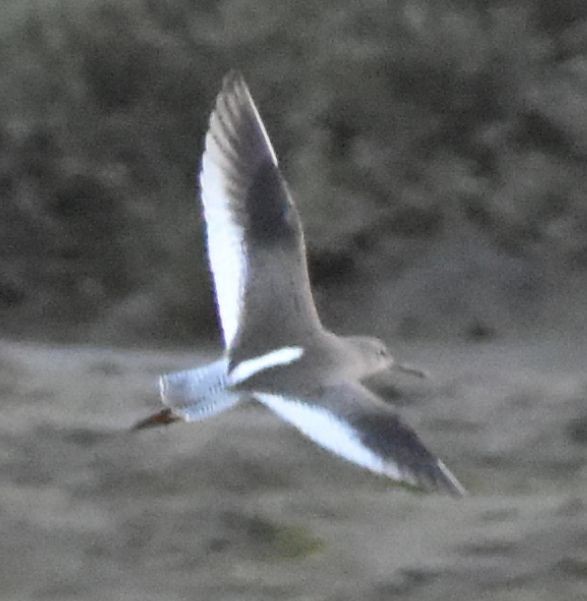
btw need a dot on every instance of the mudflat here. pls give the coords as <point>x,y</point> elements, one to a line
<point>243,507</point>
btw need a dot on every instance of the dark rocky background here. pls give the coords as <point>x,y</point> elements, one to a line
<point>436,149</point>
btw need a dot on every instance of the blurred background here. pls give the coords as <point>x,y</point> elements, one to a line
<point>436,150</point>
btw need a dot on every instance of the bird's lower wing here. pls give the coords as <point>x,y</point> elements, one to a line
<point>351,422</point>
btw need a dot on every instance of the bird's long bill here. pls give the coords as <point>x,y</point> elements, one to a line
<point>162,418</point>
<point>410,370</point>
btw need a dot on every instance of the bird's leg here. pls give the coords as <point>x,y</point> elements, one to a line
<point>162,418</point>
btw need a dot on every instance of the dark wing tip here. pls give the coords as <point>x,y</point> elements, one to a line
<point>233,80</point>
<point>240,159</point>
<point>437,477</point>
<point>234,91</point>
<point>386,434</point>
<point>430,475</point>
<point>236,134</point>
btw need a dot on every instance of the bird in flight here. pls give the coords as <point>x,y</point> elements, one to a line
<point>276,349</point>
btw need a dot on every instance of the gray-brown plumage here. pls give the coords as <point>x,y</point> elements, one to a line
<point>276,349</point>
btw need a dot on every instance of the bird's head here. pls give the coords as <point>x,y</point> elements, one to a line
<point>374,357</point>
<point>372,354</point>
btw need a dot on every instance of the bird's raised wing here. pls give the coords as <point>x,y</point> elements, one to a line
<point>255,240</point>
<point>351,422</point>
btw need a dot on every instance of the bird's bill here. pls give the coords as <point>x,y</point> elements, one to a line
<point>410,370</point>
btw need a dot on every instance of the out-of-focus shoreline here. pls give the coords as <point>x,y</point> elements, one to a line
<point>243,503</point>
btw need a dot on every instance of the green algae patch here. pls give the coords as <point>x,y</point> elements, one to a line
<point>296,542</point>
<point>283,541</point>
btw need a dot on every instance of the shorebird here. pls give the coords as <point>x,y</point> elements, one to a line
<point>276,348</point>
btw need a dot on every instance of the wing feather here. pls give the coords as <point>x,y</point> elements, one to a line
<point>255,241</point>
<point>351,422</point>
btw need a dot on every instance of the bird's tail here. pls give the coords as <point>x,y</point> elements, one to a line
<point>193,395</point>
